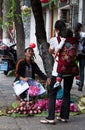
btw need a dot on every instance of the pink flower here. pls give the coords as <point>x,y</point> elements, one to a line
<point>73,107</point>
<point>33,90</point>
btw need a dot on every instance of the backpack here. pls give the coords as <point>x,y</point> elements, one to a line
<point>67,57</point>
<point>82,41</point>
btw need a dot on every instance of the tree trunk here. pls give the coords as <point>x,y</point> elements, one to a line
<point>6,38</point>
<point>20,36</point>
<point>41,36</point>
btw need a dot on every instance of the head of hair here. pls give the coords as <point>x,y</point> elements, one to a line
<point>29,48</point>
<point>69,33</point>
<point>61,26</point>
<point>78,27</point>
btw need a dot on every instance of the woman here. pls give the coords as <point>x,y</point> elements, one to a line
<point>60,28</point>
<point>27,68</point>
<point>81,54</point>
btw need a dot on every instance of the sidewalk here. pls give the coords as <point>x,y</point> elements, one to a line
<point>7,97</point>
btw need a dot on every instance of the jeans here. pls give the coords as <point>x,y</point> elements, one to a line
<point>65,108</point>
<point>81,69</point>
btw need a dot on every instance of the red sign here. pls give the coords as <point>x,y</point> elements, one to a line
<point>44,1</point>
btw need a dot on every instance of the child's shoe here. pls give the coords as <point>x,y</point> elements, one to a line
<point>57,84</point>
<point>78,82</point>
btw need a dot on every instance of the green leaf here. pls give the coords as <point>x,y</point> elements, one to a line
<point>43,113</point>
<point>17,115</point>
<point>15,104</point>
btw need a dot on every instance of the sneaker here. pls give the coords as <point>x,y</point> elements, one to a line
<point>56,85</point>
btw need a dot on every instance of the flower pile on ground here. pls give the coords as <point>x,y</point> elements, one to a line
<point>73,106</point>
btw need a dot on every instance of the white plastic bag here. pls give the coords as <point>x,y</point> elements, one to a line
<point>20,86</point>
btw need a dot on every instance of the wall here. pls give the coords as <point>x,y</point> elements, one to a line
<point>83,19</point>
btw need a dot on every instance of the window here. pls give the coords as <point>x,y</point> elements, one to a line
<point>65,15</point>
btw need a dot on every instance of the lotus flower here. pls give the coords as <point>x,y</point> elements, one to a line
<point>33,90</point>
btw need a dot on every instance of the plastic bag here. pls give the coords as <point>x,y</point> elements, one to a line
<point>35,88</point>
<point>20,86</point>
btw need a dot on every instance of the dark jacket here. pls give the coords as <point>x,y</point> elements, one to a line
<point>35,70</point>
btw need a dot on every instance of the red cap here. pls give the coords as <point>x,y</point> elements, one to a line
<point>32,45</point>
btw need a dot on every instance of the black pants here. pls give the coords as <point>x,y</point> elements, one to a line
<point>65,108</point>
<point>81,67</point>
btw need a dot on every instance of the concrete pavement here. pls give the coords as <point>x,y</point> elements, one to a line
<point>7,97</point>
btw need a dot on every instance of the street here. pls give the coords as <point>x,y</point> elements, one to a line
<point>7,97</point>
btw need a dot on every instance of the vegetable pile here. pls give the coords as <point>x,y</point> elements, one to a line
<point>36,107</point>
<point>29,107</point>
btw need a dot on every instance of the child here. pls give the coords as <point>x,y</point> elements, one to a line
<point>59,77</point>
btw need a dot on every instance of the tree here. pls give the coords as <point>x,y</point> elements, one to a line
<point>12,16</point>
<point>6,38</point>
<point>41,36</point>
<point>20,36</point>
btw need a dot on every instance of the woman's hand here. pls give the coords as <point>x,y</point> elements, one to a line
<point>48,81</point>
<point>24,79</point>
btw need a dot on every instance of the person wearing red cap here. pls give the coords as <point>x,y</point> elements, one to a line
<point>27,67</point>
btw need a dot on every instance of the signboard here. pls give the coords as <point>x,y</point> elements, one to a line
<point>3,65</point>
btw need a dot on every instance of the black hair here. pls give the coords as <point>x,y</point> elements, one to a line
<point>69,33</point>
<point>61,26</point>
<point>77,28</point>
<point>29,48</point>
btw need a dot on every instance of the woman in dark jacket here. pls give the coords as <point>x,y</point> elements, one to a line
<point>26,68</point>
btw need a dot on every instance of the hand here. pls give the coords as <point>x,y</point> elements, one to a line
<point>48,81</point>
<point>24,79</point>
<point>63,39</point>
<point>56,54</point>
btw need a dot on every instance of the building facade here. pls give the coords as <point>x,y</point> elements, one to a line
<point>71,11</point>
